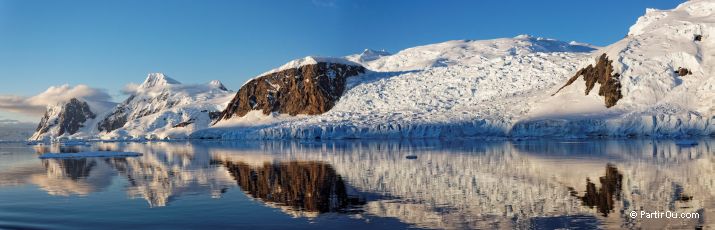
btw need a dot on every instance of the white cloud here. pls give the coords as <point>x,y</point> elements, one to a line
<point>37,104</point>
<point>130,88</point>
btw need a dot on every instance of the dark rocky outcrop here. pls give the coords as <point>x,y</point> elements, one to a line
<point>698,37</point>
<point>70,118</point>
<point>214,115</point>
<point>183,124</point>
<point>305,186</point>
<point>309,89</point>
<point>683,71</point>
<point>602,73</point>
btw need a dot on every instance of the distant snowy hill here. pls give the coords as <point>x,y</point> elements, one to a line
<point>15,131</point>
<point>159,108</point>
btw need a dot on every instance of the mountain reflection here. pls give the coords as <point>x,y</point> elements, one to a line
<point>73,169</point>
<point>309,186</point>
<point>451,185</point>
<point>604,198</point>
<point>67,177</point>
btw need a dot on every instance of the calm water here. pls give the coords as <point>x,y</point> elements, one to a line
<point>358,185</point>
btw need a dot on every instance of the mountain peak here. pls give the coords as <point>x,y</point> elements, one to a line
<point>217,84</point>
<point>689,18</point>
<point>158,80</point>
<point>311,60</point>
<point>370,55</point>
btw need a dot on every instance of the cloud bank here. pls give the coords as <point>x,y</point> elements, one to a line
<point>36,105</point>
<point>131,88</point>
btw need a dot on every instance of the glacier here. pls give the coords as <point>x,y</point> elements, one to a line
<point>509,88</point>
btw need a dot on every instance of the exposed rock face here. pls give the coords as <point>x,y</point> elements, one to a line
<point>117,118</point>
<point>683,71</point>
<point>610,85</point>
<point>309,89</point>
<point>184,124</point>
<point>69,118</point>
<point>698,37</point>
<point>305,186</point>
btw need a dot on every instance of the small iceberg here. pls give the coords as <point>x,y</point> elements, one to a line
<point>686,143</point>
<point>89,154</point>
<point>75,143</point>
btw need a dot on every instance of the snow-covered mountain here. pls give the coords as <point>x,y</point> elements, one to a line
<point>455,88</point>
<point>76,117</point>
<point>657,81</point>
<point>64,118</point>
<point>159,108</point>
<point>162,107</point>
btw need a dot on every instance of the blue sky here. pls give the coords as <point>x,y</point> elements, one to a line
<point>107,44</point>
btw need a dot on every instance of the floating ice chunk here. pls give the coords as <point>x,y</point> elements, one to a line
<point>89,154</point>
<point>75,143</point>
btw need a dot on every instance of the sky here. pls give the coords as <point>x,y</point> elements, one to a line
<point>105,45</point>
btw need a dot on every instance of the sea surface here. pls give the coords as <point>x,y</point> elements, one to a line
<point>431,184</point>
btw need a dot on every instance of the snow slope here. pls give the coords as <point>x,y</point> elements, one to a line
<point>454,88</point>
<point>656,100</point>
<point>508,87</point>
<point>162,107</point>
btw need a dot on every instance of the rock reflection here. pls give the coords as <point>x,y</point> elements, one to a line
<point>309,187</point>
<point>604,198</point>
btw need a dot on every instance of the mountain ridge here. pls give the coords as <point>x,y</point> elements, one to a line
<point>657,81</point>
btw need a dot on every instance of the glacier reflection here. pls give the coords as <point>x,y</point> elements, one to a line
<point>452,184</point>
